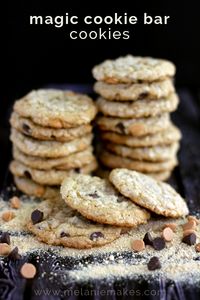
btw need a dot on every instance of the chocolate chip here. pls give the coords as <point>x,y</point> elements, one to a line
<point>64,234</point>
<point>148,240</point>
<point>189,239</point>
<point>154,263</point>
<point>37,216</point>
<point>5,238</point>
<point>94,195</point>
<point>96,235</point>
<point>121,127</point>
<point>26,128</point>
<point>27,174</point>
<point>53,136</point>
<point>77,170</point>
<point>14,254</point>
<point>158,243</point>
<point>143,95</point>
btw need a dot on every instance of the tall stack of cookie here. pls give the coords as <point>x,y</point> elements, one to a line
<point>137,96</point>
<point>52,138</point>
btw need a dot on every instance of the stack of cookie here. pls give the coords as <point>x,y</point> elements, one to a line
<point>136,97</point>
<point>52,138</point>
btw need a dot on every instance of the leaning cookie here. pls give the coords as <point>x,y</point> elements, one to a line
<point>135,127</point>
<point>74,160</point>
<point>58,224</point>
<point>138,109</point>
<point>135,91</point>
<point>31,188</point>
<point>156,196</point>
<point>129,69</point>
<point>98,200</point>
<point>153,154</point>
<point>48,177</point>
<point>29,128</point>
<point>51,149</point>
<point>56,108</point>
<point>166,137</point>
<point>116,161</point>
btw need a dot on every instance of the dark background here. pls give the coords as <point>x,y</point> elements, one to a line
<point>40,55</point>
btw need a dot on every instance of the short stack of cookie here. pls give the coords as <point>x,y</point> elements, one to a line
<point>52,138</point>
<point>137,96</point>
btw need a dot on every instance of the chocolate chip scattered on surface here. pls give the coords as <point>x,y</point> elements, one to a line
<point>154,263</point>
<point>190,225</point>
<point>15,202</point>
<point>189,239</point>
<point>158,243</point>
<point>168,234</point>
<point>5,238</point>
<point>138,245</point>
<point>172,226</point>
<point>28,271</point>
<point>197,247</point>
<point>8,215</point>
<point>14,254</point>
<point>4,249</point>
<point>37,216</point>
<point>148,240</point>
<point>188,232</point>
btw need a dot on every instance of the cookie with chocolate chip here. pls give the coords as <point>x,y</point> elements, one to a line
<point>56,108</point>
<point>134,127</point>
<point>51,149</point>
<point>48,177</point>
<point>98,200</point>
<point>138,109</point>
<point>29,128</point>
<point>130,69</point>
<point>134,91</point>
<point>55,223</point>
<point>158,197</point>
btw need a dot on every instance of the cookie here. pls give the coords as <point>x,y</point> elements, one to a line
<point>32,188</point>
<point>156,196</point>
<point>98,200</point>
<point>138,109</point>
<point>51,149</point>
<point>63,226</point>
<point>48,177</point>
<point>29,128</point>
<point>104,172</point>
<point>135,127</point>
<point>168,136</point>
<point>129,69</point>
<point>154,154</point>
<point>134,91</point>
<point>74,160</point>
<point>56,108</point>
<point>115,161</point>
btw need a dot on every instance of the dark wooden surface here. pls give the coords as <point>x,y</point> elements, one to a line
<point>185,178</point>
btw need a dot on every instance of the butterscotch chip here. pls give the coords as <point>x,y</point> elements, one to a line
<point>168,234</point>
<point>15,202</point>
<point>4,249</point>
<point>193,218</point>
<point>189,225</point>
<point>197,247</point>
<point>188,232</point>
<point>172,226</point>
<point>8,215</point>
<point>138,245</point>
<point>28,271</point>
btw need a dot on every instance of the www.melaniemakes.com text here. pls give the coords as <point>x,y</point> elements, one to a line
<point>105,24</point>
